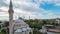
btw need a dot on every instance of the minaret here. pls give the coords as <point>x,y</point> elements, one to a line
<point>10,18</point>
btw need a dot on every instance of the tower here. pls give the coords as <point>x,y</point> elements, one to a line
<point>10,11</point>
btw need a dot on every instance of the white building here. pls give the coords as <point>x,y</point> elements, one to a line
<point>58,21</point>
<point>20,27</point>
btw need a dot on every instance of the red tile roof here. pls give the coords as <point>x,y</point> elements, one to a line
<point>53,30</point>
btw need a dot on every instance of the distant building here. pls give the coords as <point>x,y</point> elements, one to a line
<point>55,21</point>
<point>49,29</point>
<point>58,21</point>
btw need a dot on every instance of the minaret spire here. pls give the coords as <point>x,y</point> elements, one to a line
<point>11,7</point>
<point>11,12</point>
<point>10,4</point>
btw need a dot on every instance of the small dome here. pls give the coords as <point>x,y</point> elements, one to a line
<point>24,29</point>
<point>18,30</point>
<point>28,28</point>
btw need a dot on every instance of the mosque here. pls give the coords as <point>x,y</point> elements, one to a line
<point>18,26</point>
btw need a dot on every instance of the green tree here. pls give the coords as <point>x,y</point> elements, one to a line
<point>36,26</point>
<point>44,22</point>
<point>6,24</point>
<point>0,22</point>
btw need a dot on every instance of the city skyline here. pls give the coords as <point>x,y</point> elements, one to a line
<point>40,9</point>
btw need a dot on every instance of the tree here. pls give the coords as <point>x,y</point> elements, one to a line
<point>6,24</point>
<point>0,26</point>
<point>36,26</point>
<point>36,20</point>
<point>0,22</point>
<point>4,31</point>
<point>44,22</point>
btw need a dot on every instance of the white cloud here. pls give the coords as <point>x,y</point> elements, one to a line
<point>4,8</point>
<point>22,13</point>
<point>28,8</point>
<point>57,2</point>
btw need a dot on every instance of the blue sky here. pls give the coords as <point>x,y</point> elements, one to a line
<point>36,9</point>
